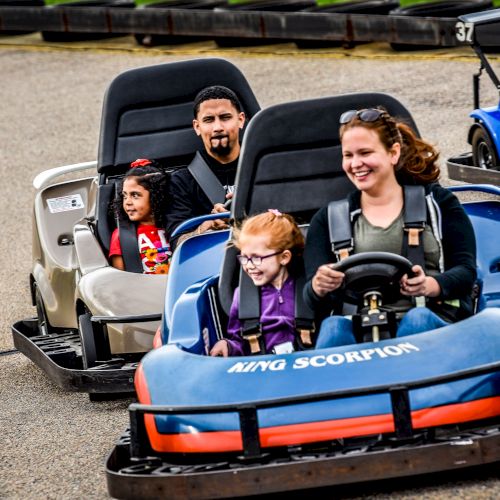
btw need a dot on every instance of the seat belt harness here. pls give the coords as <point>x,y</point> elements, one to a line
<point>304,316</point>
<point>249,314</point>
<point>207,180</point>
<point>415,219</point>
<point>340,229</point>
<point>127,232</point>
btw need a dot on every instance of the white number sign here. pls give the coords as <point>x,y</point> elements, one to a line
<point>465,31</point>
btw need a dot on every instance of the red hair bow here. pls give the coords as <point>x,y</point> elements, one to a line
<point>141,162</point>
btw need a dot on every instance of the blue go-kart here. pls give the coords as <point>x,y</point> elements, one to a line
<point>208,427</point>
<point>482,31</point>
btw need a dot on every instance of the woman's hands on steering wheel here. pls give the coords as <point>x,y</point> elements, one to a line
<point>373,269</point>
<point>419,284</point>
<point>326,280</point>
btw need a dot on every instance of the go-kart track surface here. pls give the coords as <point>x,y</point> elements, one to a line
<point>54,443</point>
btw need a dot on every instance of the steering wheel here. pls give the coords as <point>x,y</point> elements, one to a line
<point>373,271</point>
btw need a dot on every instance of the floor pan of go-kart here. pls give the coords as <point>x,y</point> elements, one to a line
<point>58,354</point>
<point>299,469</point>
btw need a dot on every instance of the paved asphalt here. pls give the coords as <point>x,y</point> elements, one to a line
<point>54,444</point>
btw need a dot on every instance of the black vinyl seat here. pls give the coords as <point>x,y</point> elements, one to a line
<point>148,112</point>
<point>291,160</point>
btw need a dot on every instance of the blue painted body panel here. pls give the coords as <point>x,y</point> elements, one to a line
<point>485,217</point>
<point>179,373</point>
<point>195,260</point>
<point>176,377</point>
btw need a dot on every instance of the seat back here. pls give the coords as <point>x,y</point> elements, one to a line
<point>148,112</point>
<point>291,160</point>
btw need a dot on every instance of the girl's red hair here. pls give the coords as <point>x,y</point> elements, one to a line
<point>282,229</point>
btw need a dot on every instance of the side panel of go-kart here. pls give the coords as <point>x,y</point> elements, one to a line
<point>72,274</point>
<point>488,251</point>
<point>485,218</point>
<point>108,290</point>
<point>57,209</point>
<point>194,261</point>
<point>172,377</point>
<point>105,289</point>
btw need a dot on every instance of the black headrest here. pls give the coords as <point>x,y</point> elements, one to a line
<point>148,112</point>
<point>291,160</point>
<point>291,154</point>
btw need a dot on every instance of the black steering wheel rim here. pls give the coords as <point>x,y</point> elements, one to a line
<point>373,271</point>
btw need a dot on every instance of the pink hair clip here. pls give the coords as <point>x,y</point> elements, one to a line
<point>275,211</point>
<point>141,162</point>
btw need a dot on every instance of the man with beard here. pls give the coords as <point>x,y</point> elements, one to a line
<point>218,119</point>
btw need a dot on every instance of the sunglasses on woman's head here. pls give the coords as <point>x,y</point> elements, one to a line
<point>365,115</point>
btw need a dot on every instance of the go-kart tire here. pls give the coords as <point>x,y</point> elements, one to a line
<point>89,349</point>
<point>41,313</point>
<point>484,154</point>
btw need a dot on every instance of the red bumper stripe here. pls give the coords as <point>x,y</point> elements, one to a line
<point>224,441</point>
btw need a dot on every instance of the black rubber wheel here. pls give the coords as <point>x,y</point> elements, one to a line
<point>89,351</point>
<point>41,313</point>
<point>484,154</point>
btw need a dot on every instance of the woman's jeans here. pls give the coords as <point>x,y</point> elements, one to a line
<point>337,330</point>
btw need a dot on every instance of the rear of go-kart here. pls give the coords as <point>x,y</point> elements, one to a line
<point>224,427</point>
<point>482,164</point>
<point>95,322</point>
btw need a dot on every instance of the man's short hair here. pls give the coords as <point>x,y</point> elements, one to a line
<point>215,92</point>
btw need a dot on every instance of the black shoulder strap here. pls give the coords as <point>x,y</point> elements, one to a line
<point>415,218</point>
<point>104,199</point>
<point>249,314</point>
<point>207,180</point>
<point>340,229</point>
<point>127,233</point>
<point>304,315</point>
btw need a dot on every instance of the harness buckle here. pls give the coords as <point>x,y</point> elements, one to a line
<point>305,337</point>
<point>413,235</point>
<point>252,335</point>
<point>305,330</point>
<point>343,252</point>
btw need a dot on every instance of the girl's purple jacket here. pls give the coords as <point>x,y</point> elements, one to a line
<point>277,318</point>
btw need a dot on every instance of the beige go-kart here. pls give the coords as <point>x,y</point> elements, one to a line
<point>95,322</point>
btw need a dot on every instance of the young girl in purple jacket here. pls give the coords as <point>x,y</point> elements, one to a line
<point>268,243</point>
